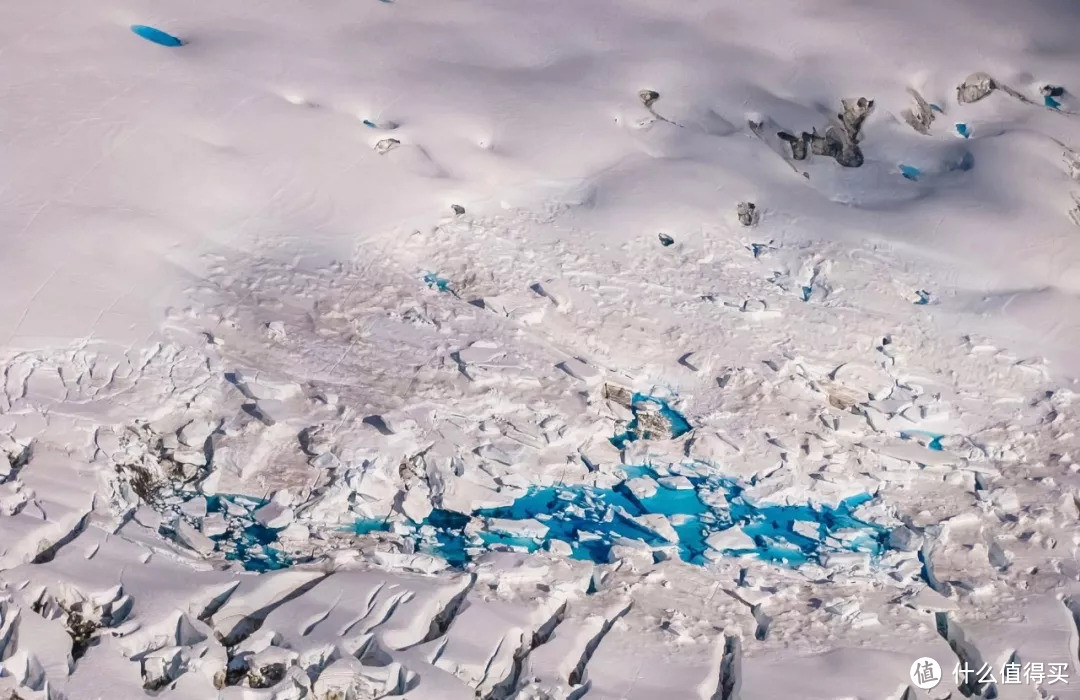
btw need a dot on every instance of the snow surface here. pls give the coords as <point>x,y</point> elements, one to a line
<point>374,349</point>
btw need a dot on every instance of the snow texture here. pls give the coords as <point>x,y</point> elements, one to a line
<point>537,351</point>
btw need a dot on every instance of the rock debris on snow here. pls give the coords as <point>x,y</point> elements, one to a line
<point>747,213</point>
<point>384,146</point>
<point>974,88</point>
<point>922,116</point>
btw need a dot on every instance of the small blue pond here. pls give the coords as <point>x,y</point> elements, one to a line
<point>156,35</point>
<point>910,172</point>
<point>963,129</point>
<point>435,282</point>
<point>1050,102</point>
<point>678,424</point>
<point>365,526</point>
<point>591,520</point>
<point>247,541</point>
<point>933,440</point>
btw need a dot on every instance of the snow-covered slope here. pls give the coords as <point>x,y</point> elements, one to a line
<point>435,350</point>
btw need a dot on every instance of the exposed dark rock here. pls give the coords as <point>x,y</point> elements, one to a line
<point>975,87</point>
<point>267,676</point>
<point>386,145</point>
<point>648,97</point>
<point>854,114</point>
<point>922,116</point>
<point>836,144</point>
<point>748,214</point>
<point>797,143</point>
<point>840,141</point>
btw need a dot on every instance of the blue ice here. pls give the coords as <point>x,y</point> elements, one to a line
<point>679,425</point>
<point>253,545</point>
<point>924,297</point>
<point>156,35</point>
<point>910,172</point>
<point>1051,102</point>
<point>364,526</point>
<point>450,541</point>
<point>591,520</point>
<point>963,129</point>
<point>933,439</point>
<point>435,282</point>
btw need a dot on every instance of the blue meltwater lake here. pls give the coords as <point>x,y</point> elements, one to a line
<point>692,507</point>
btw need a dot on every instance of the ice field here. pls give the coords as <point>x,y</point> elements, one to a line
<point>370,349</point>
